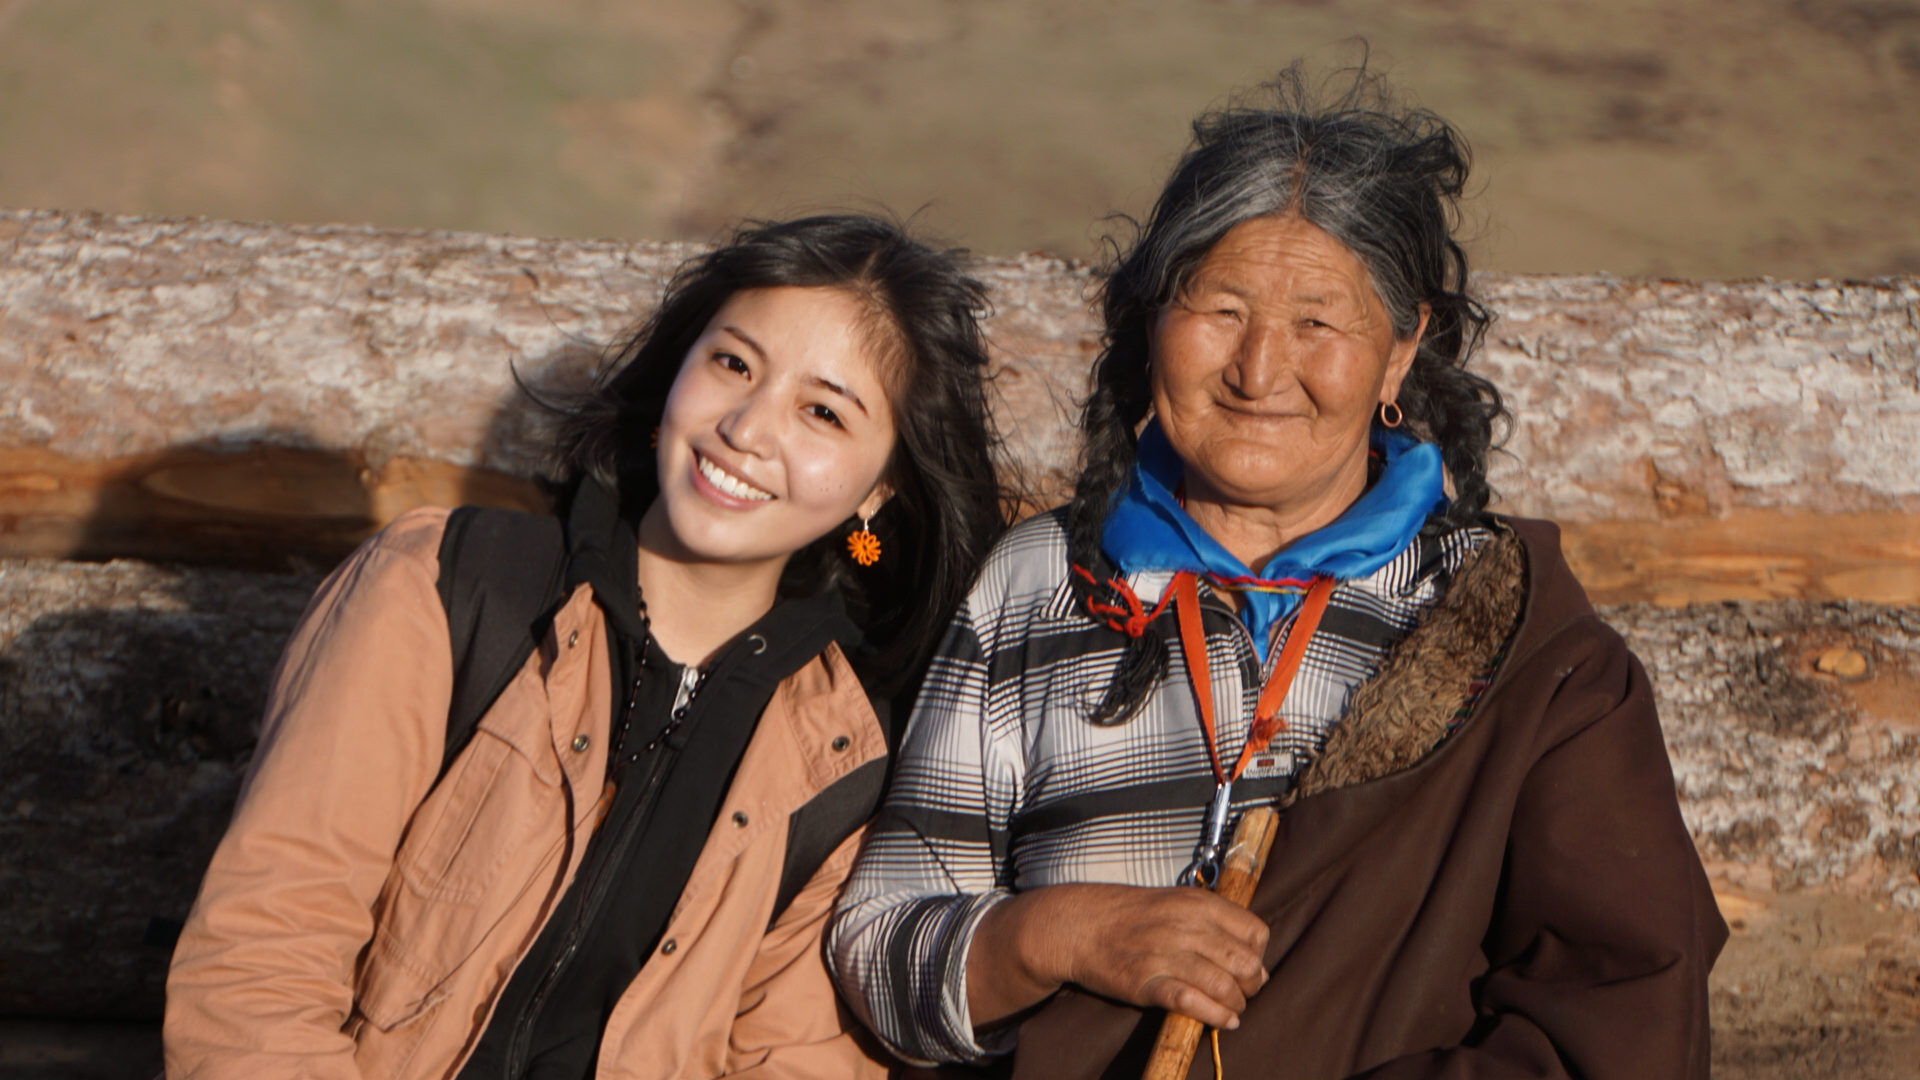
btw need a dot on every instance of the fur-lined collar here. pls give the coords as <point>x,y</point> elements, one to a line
<point>1408,709</point>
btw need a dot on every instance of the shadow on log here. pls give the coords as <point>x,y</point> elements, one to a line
<point>260,506</point>
<point>130,698</point>
<point>131,693</point>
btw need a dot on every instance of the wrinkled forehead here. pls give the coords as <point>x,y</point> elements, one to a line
<point>1281,259</point>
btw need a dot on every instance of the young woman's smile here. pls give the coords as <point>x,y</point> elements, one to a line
<point>776,431</point>
<point>722,486</point>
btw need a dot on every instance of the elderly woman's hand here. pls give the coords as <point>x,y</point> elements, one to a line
<point>1182,949</point>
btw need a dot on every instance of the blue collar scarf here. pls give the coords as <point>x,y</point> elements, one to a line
<point>1148,530</point>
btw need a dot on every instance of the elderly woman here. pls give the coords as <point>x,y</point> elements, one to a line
<point>1277,583</point>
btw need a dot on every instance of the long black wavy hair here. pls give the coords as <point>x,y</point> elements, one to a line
<point>924,313</point>
<point>1382,179</point>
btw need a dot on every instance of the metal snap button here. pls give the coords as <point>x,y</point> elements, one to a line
<point>573,639</point>
<point>740,819</point>
<point>580,743</point>
<point>669,947</point>
<point>841,742</point>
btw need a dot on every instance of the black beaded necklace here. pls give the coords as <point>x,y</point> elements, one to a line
<point>620,759</point>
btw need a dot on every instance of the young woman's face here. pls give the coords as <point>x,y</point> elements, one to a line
<point>777,428</point>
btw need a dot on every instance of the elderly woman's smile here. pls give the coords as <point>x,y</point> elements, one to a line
<point>1267,369</point>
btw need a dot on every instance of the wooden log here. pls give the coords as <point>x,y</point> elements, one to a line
<point>1694,436</point>
<point>261,506</point>
<point>1749,555</point>
<point>267,395</point>
<point>1794,730</point>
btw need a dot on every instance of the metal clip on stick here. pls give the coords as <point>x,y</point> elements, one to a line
<point>1252,841</point>
<point>1204,870</point>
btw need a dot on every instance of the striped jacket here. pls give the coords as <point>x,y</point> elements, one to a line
<point>1004,785</point>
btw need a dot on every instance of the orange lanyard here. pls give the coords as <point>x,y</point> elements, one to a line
<point>1267,721</point>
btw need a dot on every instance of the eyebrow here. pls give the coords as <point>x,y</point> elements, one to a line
<point>743,336</point>
<point>841,390</point>
<point>815,379</point>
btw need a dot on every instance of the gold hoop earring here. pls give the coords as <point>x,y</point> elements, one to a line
<point>863,545</point>
<point>1398,416</point>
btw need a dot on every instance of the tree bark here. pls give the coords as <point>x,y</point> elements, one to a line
<point>269,395</point>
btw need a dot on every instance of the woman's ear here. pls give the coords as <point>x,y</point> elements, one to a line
<point>1401,355</point>
<point>875,499</point>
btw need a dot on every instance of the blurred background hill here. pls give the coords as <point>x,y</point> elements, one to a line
<point>1699,138</point>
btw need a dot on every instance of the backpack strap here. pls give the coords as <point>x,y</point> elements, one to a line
<point>823,824</point>
<point>502,575</point>
<point>818,828</point>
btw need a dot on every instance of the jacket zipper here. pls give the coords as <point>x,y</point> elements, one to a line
<point>601,882</point>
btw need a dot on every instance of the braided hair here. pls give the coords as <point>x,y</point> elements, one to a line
<point>1382,179</point>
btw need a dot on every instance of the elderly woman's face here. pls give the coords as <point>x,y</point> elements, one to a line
<point>1268,367</point>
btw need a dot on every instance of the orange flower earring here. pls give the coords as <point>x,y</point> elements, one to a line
<point>863,545</point>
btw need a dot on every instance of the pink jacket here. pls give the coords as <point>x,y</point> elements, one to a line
<point>359,920</point>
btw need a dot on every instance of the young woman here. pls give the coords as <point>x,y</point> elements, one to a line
<point>603,881</point>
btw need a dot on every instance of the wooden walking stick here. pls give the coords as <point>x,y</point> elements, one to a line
<point>1239,873</point>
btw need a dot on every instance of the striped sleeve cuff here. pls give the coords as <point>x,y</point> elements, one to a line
<point>956,1019</point>
<point>910,973</point>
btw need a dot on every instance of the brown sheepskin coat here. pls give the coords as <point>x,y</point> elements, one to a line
<point>1518,898</point>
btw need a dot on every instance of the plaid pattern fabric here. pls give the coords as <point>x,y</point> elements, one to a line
<point>1003,785</point>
